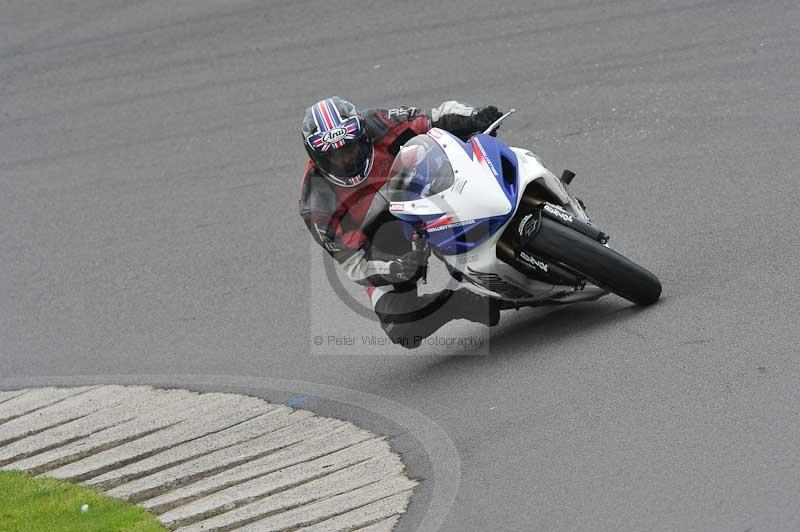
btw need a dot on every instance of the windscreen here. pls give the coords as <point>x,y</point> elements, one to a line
<point>420,170</point>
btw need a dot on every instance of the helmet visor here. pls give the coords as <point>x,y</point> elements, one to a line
<point>347,161</point>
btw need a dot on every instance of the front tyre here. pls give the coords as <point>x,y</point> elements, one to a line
<point>595,262</point>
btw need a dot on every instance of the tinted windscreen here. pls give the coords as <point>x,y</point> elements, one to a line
<point>420,170</point>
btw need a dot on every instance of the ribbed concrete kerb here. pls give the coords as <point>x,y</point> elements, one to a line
<point>207,461</point>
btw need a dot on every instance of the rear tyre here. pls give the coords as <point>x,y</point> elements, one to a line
<point>595,262</point>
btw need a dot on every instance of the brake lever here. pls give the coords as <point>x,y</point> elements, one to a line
<point>493,126</point>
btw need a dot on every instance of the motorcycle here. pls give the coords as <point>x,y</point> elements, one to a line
<point>505,226</point>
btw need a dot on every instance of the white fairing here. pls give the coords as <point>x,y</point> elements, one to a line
<point>474,194</point>
<point>477,194</point>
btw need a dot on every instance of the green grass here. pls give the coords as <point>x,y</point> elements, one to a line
<point>45,505</point>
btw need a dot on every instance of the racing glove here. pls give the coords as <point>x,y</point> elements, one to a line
<point>486,117</point>
<point>462,120</point>
<point>408,267</point>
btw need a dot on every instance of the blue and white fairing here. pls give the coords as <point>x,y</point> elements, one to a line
<point>436,179</point>
<point>463,196</point>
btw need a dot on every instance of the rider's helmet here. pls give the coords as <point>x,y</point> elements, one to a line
<point>337,142</point>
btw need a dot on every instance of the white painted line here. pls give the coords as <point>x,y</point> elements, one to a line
<point>67,420</point>
<point>387,525</point>
<point>270,421</point>
<point>366,515</point>
<point>316,512</point>
<point>340,483</point>
<point>5,396</point>
<point>218,416</point>
<point>353,460</point>
<point>219,470</point>
<point>331,440</point>
<point>148,417</point>
<point>35,399</point>
<point>207,461</point>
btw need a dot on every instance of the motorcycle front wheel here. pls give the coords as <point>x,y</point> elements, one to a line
<point>595,262</point>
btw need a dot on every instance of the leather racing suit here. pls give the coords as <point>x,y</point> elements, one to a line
<point>355,227</point>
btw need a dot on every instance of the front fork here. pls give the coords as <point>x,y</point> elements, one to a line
<point>517,245</point>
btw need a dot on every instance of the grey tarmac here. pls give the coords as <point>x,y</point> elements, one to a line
<point>150,161</point>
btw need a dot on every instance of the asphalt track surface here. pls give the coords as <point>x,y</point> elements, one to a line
<point>149,168</point>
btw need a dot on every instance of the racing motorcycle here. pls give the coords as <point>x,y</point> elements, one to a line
<point>505,226</point>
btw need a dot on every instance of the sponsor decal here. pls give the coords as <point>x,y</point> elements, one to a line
<point>402,111</point>
<point>464,259</point>
<point>531,228</point>
<point>327,243</point>
<point>480,155</point>
<point>522,223</point>
<point>559,213</point>
<point>334,135</point>
<point>533,261</point>
<point>393,207</point>
<point>451,225</point>
<point>528,225</point>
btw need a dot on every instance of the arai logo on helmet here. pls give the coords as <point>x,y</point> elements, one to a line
<point>334,135</point>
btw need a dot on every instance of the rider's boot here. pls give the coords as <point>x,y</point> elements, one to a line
<point>473,307</point>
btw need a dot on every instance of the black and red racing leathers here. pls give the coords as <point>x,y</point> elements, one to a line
<point>354,225</point>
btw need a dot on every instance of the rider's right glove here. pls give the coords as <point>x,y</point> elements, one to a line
<point>409,267</point>
<point>486,117</point>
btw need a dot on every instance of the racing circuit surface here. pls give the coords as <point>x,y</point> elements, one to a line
<point>150,159</point>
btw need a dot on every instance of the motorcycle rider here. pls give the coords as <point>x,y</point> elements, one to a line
<point>341,202</point>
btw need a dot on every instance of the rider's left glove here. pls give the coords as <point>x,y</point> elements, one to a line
<point>485,117</point>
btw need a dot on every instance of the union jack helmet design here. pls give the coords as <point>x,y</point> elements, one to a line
<point>337,142</point>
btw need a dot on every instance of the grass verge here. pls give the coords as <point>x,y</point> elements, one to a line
<point>30,504</point>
